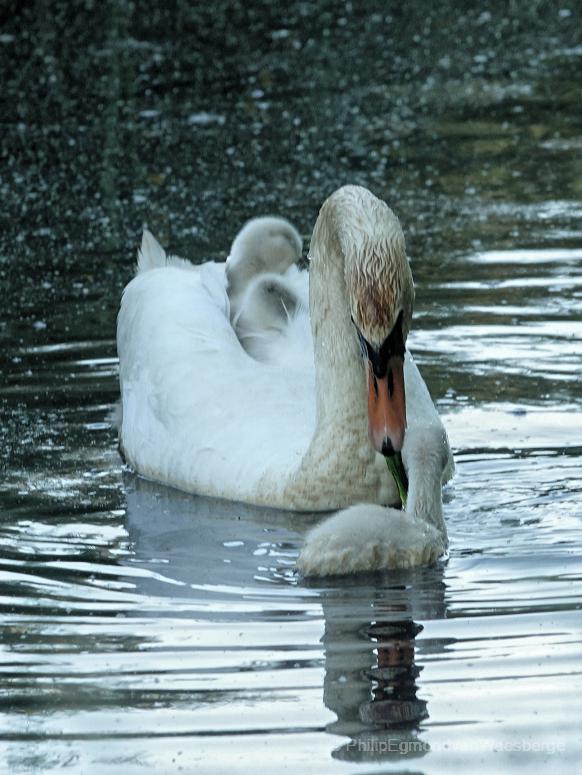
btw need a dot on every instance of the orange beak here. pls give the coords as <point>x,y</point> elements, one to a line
<point>387,407</point>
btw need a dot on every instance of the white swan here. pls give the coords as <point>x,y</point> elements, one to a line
<point>293,430</point>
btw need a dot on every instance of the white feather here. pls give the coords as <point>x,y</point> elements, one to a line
<point>365,537</point>
<point>288,429</point>
<point>151,255</point>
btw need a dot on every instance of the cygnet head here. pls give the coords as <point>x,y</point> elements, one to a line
<point>380,294</point>
<point>267,244</point>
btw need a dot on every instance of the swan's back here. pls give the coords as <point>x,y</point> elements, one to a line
<point>198,412</point>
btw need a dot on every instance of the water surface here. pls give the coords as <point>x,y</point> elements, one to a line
<point>144,629</point>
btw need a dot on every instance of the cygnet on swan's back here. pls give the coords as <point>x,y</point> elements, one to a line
<point>263,299</point>
<point>268,306</point>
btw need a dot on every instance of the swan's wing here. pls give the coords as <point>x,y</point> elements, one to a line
<point>198,412</point>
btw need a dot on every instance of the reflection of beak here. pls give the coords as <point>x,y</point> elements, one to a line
<point>387,407</point>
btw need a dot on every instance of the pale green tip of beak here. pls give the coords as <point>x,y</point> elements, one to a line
<point>396,468</point>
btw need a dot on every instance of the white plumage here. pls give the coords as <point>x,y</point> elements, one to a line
<point>285,425</point>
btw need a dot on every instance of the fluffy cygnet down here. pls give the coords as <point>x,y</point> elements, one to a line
<point>366,537</point>
<point>262,300</point>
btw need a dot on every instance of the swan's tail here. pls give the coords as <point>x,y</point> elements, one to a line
<point>151,255</point>
<point>366,537</point>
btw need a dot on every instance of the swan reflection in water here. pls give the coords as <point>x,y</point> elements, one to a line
<point>371,673</point>
<point>370,621</point>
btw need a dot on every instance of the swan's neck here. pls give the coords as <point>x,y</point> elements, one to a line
<point>338,467</point>
<point>341,403</point>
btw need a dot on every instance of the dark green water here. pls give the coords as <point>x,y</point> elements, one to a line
<point>147,630</point>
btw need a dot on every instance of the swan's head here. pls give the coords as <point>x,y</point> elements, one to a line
<point>380,294</point>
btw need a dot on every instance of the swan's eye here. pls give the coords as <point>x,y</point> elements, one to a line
<point>392,346</point>
<point>394,342</point>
